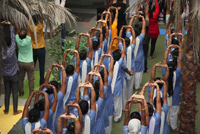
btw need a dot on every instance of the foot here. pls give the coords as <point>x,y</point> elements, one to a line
<point>18,112</point>
<point>146,71</point>
<point>21,94</point>
<point>5,112</point>
<point>139,88</point>
<point>119,120</point>
<point>151,57</point>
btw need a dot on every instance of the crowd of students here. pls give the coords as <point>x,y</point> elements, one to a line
<point>99,84</point>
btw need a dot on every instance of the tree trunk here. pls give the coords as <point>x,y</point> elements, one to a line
<point>188,104</point>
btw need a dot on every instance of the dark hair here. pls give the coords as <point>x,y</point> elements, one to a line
<point>71,127</point>
<point>116,55</point>
<point>95,45</point>
<point>83,54</point>
<point>151,8</point>
<point>127,41</point>
<point>135,115</point>
<point>96,88</point>
<point>7,34</point>
<point>54,83</point>
<point>40,105</point>
<point>159,84</point>
<point>69,70</point>
<point>137,28</point>
<point>22,34</point>
<point>171,66</point>
<point>175,41</point>
<point>154,101</point>
<point>84,106</point>
<point>33,115</point>
<point>102,74</point>
<point>104,32</point>
<point>151,110</point>
<point>119,3</point>
<point>35,19</point>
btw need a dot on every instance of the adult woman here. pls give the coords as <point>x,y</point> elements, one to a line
<point>153,25</point>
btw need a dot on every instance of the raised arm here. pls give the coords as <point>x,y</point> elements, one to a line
<point>143,25</point>
<point>166,56</point>
<point>146,13</point>
<point>156,12</point>
<point>80,115</point>
<point>151,95</point>
<point>55,100</point>
<point>64,79</point>
<point>164,90</point>
<point>46,81</point>
<point>46,107</point>
<point>25,111</point>
<point>179,64</point>
<point>166,76</point>
<point>116,12</point>
<point>153,72</point>
<point>158,103</point>
<point>127,112</point>
<point>93,97</point>
<point>101,88</point>
<point>90,53</point>
<point>65,56</point>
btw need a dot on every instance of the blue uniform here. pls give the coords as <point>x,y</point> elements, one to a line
<point>25,121</point>
<point>139,60</point>
<point>88,60</point>
<point>157,118</point>
<point>110,105</point>
<point>176,98</point>
<point>166,127</point>
<point>74,87</point>
<point>119,81</point>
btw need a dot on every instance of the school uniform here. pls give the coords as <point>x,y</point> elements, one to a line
<point>143,129</point>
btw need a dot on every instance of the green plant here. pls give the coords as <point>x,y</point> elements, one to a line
<point>57,50</point>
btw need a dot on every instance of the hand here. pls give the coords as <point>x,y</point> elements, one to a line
<point>47,131</point>
<point>72,116</point>
<point>5,22</point>
<point>81,84</point>
<point>76,105</point>
<point>62,67</point>
<point>164,66</point>
<point>63,116</point>
<point>37,130</point>
<point>131,72</point>
<point>157,64</point>
<point>160,81</point>
<point>88,85</point>
<point>97,74</point>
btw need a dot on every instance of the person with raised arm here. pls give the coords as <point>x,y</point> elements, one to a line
<point>100,96</point>
<point>39,52</point>
<point>39,104</point>
<point>85,59</point>
<point>135,122</point>
<point>154,116</point>
<point>31,119</point>
<point>109,98</point>
<point>117,82</point>
<point>105,32</point>
<point>154,78</point>
<point>114,27</point>
<point>138,51</point>
<point>97,45</point>
<point>61,93</point>
<point>129,61</point>
<point>121,7</point>
<point>88,117</point>
<point>174,86</point>
<point>25,59</point>
<point>164,128</point>
<point>10,67</point>
<point>73,127</point>
<point>72,77</point>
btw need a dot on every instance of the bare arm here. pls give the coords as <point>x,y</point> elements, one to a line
<point>151,95</point>
<point>127,112</point>
<point>143,26</point>
<point>179,64</point>
<point>25,111</point>
<point>158,103</point>
<point>55,100</point>
<point>64,77</point>
<point>46,107</point>
<point>46,81</point>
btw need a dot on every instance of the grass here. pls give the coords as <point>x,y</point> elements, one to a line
<point>159,55</point>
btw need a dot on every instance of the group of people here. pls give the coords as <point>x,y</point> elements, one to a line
<point>99,84</point>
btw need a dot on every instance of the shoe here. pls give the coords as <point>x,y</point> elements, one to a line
<point>146,71</point>
<point>21,94</point>
<point>5,112</point>
<point>18,112</point>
